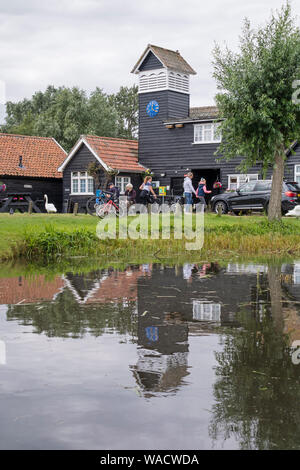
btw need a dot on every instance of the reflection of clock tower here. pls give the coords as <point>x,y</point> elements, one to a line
<point>163,95</point>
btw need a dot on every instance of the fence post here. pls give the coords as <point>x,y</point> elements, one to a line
<point>75,211</point>
<point>30,207</point>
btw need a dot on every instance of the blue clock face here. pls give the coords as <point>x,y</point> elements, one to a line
<point>152,108</point>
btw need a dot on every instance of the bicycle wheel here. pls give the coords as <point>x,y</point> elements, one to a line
<point>101,210</point>
<point>90,205</point>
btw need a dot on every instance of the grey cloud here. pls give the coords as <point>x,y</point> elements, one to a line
<point>91,43</point>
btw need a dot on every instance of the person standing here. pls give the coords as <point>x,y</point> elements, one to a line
<point>188,192</point>
<point>201,191</point>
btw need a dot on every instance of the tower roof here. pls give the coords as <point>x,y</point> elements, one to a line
<point>169,59</point>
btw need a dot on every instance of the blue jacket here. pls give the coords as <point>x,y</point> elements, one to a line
<point>200,190</point>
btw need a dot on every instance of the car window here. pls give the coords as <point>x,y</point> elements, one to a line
<point>247,187</point>
<point>293,187</point>
<point>263,186</point>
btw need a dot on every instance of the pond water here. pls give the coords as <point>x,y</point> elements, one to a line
<point>151,357</point>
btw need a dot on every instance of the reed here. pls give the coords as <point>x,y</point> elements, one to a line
<point>224,237</point>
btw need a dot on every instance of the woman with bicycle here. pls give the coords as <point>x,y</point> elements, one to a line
<point>147,190</point>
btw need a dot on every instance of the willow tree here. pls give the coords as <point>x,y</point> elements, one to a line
<point>256,89</point>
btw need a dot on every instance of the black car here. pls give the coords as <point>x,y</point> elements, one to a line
<point>255,195</point>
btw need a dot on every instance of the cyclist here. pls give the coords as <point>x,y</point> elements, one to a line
<point>113,192</point>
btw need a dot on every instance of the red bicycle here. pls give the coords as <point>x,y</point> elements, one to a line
<point>108,208</point>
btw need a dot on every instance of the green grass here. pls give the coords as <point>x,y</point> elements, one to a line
<point>45,238</point>
<point>13,227</point>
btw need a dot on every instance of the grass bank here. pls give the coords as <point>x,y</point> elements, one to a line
<point>48,238</point>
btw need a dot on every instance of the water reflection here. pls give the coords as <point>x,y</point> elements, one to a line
<point>166,312</point>
<point>257,390</point>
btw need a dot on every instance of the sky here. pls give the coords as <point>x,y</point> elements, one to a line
<point>90,43</point>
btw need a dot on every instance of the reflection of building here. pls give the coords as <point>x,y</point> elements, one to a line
<point>162,355</point>
<point>15,290</point>
<point>195,293</point>
<point>160,373</point>
<point>105,286</point>
<point>161,306</point>
<point>206,311</point>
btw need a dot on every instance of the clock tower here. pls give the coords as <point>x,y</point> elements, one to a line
<point>164,93</point>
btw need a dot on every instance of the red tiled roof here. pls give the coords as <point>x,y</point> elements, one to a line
<point>19,289</point>
<point>117,287</point>
<point>41,156</point>
<point>119,154</point>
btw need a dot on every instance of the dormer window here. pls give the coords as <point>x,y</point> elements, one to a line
<point>207,133</point>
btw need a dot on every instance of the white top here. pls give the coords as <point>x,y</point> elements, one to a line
<point>188,186</point>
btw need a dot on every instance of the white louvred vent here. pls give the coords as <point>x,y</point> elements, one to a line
<point>179,82</point>
<point>153,80</point>
<point>163,79</point>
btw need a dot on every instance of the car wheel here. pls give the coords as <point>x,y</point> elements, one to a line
<point>220,205</point>
<point>266,208</point>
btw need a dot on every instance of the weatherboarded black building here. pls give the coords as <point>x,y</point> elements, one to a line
<point>29,165</point>
<point>174,138</point>
<point>116,160</point>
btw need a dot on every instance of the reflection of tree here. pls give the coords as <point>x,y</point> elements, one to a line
<point>65,317</point>
<point>257,392</point>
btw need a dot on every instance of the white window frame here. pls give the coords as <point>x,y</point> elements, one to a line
<point>206,311</point>
<point>297,173</point>
<point>199,130</point>
<point>78,176</point>
<point>241,179</point>
<point>123,183</point>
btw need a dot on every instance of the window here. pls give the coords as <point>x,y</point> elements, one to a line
<point>297,173</point>
<point>263,186</point>
<point>121,182</point>
<point>205,311</point>
<point>207,133</point>
<point>82,183</point>
<point>235,181</point>
<point>247,187</point>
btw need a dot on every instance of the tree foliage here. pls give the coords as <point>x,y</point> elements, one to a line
<point>66,113</point>
<point>256,89</point>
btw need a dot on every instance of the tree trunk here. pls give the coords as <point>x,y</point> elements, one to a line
<point>274,209</point>
<point>274,278</point>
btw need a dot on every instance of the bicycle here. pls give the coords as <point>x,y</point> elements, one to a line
<point>95,201</point>
<point>107,206</point>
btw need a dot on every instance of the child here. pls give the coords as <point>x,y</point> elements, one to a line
<point>201,191</point>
